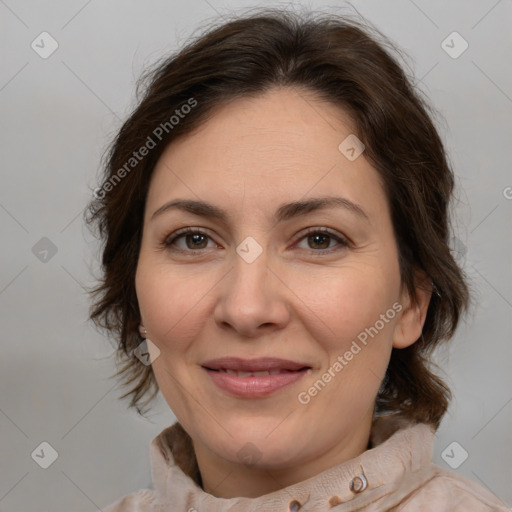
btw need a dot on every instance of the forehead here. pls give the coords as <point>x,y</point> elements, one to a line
<point>262,150</point>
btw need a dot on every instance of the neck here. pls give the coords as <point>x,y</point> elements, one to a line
<point>225,479</point>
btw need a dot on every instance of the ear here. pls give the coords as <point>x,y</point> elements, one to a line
<point>410,325</point>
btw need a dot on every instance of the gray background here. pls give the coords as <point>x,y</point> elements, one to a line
<point>57,116</point>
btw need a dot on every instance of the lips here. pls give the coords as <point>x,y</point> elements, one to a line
<point>271,365</point>
<point>253,378</point>
<point>253,373</point>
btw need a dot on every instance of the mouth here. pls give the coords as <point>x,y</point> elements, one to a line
<point>253,378</point>
<point>239,373</point>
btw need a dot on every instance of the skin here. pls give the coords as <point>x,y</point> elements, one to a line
<point>296,301</point>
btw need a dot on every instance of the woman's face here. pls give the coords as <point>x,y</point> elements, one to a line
<point>259,281</point>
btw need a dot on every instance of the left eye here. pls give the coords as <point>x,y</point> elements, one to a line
<point>322,240</point>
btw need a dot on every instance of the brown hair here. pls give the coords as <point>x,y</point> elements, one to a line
<point>344,63</point>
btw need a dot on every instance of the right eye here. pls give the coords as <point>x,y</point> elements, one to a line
<point>194,240</point>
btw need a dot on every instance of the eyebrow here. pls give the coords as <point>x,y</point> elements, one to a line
<point>285,212</point>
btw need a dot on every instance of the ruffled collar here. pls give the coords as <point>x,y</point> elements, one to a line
<point>397,447</point>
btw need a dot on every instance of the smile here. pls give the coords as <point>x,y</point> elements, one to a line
<point>253,374</point>
<point>254,378</point>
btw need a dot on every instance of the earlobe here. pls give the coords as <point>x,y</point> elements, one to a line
<point>410,325</point>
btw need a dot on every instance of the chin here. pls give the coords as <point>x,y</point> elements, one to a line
<point>258,447</point>
<point>254,455</point>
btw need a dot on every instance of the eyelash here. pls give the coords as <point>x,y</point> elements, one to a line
<point>171,239</point>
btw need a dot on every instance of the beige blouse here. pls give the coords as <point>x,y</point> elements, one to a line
<point>395,474</point>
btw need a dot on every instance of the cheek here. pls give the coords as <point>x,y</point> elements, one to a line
<point>356,345</point>
<point>343,303</point>
<point>170,306</point>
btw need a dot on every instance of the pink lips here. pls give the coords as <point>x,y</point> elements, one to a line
<point>253,378</point>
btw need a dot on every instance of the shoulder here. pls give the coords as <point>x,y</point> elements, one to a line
<point>141,501</point>
<point>448,491</point>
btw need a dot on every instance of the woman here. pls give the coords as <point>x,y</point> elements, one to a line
<point>275,220</point>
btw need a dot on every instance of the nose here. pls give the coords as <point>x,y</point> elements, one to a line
<point>252,299</point>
